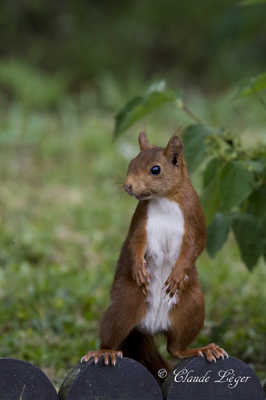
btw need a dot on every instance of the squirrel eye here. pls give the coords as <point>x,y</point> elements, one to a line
<point>155,170</point>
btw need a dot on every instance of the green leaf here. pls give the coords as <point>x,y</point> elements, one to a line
<point>124,118</point>
<point>257,202</point>
<point>254,85</point>
<point>237,182</point>
<point>217,233</point>
<point>247,232</point>
<point>211,170</point>
<point>194,145</point>
<point>138,107</point>
<point>210,198</point>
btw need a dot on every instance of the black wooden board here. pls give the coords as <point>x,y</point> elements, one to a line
<point>20,380</point>
<point>128,380</point>
<point>228,379</point>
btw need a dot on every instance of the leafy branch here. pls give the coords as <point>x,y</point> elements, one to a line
<point>233,179</point>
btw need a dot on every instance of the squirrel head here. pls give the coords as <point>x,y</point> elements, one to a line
<point>156,171</point>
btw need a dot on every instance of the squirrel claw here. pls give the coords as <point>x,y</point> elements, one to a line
<point>144,290</point>
<point>226,354</point>
<point>141,276</point>
<point>212,352</point>
<point>108,355</point>
<point>171,289</point>
<point>175,283</point>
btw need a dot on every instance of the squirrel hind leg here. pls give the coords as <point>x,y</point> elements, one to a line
<point>142,348</point>
<point>186,322</point>
<point>212,352</point>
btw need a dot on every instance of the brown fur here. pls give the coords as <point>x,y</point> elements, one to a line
<point>128,294</point>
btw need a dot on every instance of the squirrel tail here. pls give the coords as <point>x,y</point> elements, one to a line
<point>141,347</point>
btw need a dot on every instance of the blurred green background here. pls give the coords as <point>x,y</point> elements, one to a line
<point>66,68</point>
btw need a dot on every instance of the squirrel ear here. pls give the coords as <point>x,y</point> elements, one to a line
<point>174,149</point>
<point>143,141</point>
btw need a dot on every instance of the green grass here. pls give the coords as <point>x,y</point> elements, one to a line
<point>63,219</point>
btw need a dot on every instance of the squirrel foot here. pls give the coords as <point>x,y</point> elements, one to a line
<point>212,352</point>
<point>109,355</point>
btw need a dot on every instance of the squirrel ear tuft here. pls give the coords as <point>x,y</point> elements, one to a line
<point>174,149</point>
<point>143,141</point>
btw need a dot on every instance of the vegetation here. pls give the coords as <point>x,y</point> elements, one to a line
<point>64,74</point>
<point>234,176</point>
<point>64,217</point>
<point>209,45</point>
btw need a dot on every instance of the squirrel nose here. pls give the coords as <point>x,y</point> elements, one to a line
<point>128,188</point>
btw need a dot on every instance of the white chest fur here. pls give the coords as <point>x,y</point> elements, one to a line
<point>165,230</point>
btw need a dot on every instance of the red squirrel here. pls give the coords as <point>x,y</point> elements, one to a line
<point>156,288</point>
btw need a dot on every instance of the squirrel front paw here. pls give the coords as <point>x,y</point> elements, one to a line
<point>177,281</point>
<point>141,276</point>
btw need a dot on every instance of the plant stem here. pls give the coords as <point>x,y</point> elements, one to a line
<point>187,110</point>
